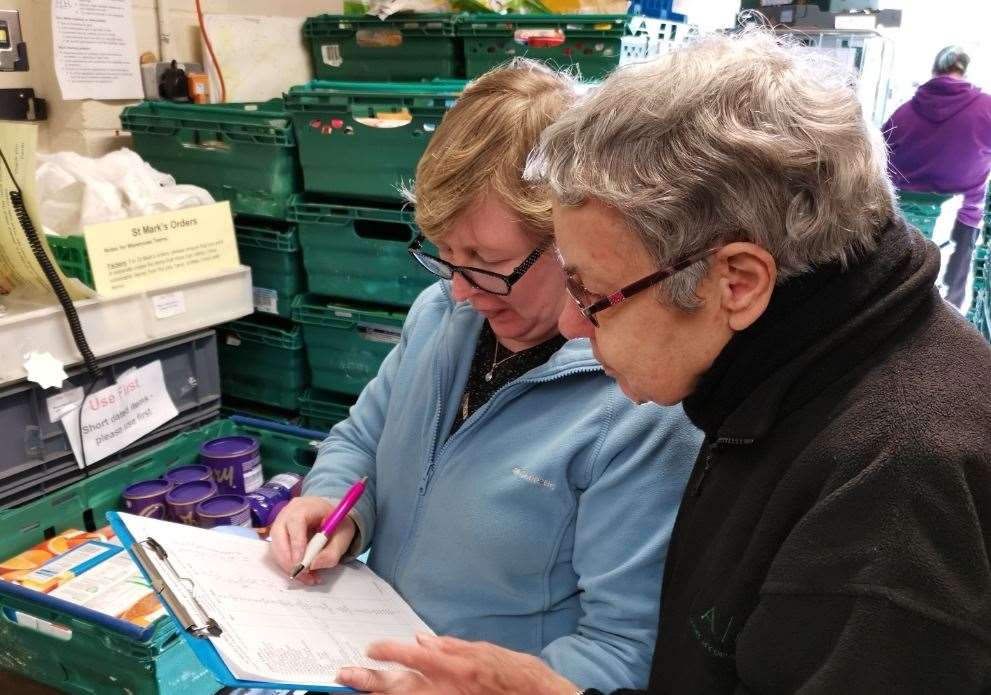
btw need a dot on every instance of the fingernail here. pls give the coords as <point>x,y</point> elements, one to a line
<point>426,640</point>
<point>345,674</point>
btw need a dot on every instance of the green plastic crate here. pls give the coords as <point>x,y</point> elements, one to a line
<point>341,150</point>
<point>230,406</point>
<point>321,410</point>
<point>345,343</point>
<point>399,48</point>
<point>921,210</point>
<point>71,255</point>
<point>262,362</point>
<point>359,253</point>
<point>276,262</point>
<point>593,43</point>
<point>97,658</point>
<point>244,153</point>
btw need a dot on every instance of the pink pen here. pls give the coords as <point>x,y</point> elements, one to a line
<point>319,539</point>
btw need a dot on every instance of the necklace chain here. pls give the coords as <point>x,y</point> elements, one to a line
<point>488,375</point>
<point>496,361</point>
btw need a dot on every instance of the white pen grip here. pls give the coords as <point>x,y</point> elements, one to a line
<point>313,549</point>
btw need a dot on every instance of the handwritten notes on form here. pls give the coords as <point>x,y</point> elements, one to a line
<point>275,630</point>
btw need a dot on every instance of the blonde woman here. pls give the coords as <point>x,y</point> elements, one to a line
<point>504,464</point>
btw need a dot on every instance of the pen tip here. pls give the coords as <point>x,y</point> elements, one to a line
<point>295,571</point>
<point>364,480</point>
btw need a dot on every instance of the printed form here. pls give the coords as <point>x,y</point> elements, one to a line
<point>275,630</point>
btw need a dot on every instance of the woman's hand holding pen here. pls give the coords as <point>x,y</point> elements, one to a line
<point>294,527</point>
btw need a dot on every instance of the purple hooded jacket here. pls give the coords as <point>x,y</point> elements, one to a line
<point>940,142</point>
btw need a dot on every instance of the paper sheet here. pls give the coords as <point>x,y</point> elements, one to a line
<point>121,413</point>
<point>163,249</point>
<point>18,268</point>
<point>275,630</point>
<point>96,56</point>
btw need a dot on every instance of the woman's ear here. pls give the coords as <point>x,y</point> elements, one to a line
<point>747,274</point>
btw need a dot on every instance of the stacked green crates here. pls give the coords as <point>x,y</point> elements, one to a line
<point>345,341</point>
<point>93,657</point>
<point>244,153</point>
<point>399,48</point>
<point>321,410</point>
<point>262,361</point>
<point>360,143</point>
<point>350,145</point>
<point>359,253</point>
<point>591,43</point>
<point>273,252</point>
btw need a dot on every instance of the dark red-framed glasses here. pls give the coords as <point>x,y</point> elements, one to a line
<point>589,306</point>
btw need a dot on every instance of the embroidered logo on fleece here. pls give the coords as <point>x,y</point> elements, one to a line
<point>531,478</point>
<point>717,634</point>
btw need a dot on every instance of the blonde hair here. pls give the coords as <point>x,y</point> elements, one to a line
<point>745,137</point>
<point>482,145</point>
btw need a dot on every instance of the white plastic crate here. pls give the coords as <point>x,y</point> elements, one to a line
<point>121,322</point>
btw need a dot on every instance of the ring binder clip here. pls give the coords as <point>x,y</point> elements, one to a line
<point>193,619</point>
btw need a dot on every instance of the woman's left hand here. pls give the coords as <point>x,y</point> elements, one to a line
<point>451,666</point>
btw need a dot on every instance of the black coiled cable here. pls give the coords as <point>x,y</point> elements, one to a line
<point>78,337</point>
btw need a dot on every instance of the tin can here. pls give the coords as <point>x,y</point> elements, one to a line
<point>147,498</point>
<point>280,489</point>
<point>236,463</point>
<point>187,474</point>
<point>224,510</point>
<point>183,499</point>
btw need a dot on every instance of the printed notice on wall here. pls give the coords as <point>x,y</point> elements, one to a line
<point>160,250</point>
<point>121,413</point>
<point>96,56</point>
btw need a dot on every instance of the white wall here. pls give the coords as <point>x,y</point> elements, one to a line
<point>91,127</point>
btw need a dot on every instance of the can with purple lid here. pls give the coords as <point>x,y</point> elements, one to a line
<point>183,499</point>
<point>187,474</point>
<point>147,498</point>
<point>236,463</point>
<point>224,510</point>
<point>280,489</point>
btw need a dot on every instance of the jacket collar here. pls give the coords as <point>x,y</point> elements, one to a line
<point>816,329</point>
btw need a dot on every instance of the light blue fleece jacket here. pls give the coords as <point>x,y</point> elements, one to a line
<point>542,524</point>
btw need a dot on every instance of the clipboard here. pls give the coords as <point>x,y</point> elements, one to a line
<point>195,626</point>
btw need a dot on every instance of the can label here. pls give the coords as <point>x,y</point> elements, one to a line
<point>238,478</point>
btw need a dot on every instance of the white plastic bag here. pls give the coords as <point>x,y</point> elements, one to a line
<point>75,191</point>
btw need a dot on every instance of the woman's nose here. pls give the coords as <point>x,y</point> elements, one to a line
<point>461,288</point>
<point>573,324</point>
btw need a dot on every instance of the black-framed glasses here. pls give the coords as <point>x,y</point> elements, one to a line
<point>589,307</point>
<point>485,280</point>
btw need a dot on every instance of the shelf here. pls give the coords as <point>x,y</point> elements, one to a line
<point>121,322</point>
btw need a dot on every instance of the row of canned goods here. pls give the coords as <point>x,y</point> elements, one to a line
<point>225,488</point>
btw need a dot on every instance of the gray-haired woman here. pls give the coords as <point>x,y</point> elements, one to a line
<point>731,242</point>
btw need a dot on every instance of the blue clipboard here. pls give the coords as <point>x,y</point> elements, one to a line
<point>202,647</point>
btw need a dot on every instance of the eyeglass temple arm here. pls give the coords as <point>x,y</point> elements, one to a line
<point>643,283</point>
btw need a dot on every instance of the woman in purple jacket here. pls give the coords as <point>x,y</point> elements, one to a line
<point>940,142</point>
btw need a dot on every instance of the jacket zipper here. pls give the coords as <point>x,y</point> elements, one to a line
<point>710,457</point>
<point>425,479</point>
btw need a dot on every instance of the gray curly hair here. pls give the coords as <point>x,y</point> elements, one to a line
<point>744,137</point>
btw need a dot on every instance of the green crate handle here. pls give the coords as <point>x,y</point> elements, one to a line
<point>336,26</point>
<point>315,315</point>
<point>426,99</point>
<point>285,240</point>
<point>263,126</point>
